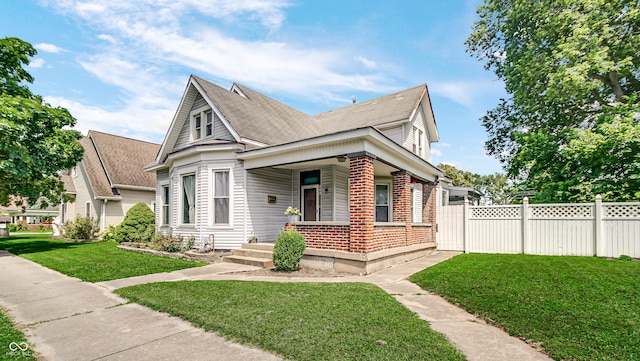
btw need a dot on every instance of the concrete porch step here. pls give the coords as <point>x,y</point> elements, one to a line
<point>250,261</point>
<point>255,253</point>
<point>259,246</point>
<point>252,254</point>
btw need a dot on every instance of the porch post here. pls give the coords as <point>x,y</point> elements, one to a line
<point>402,201</point>
<point>361,201</point>
<point>429,208</point>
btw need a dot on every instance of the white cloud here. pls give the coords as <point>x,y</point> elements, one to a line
<point>159,36</point>
<point>48,48</point>
<point>369,64</point>
<point>467,93</point>
<point>37,63</point>
<point>436,152</point>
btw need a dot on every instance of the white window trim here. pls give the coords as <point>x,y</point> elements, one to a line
<point>162,204</point>
<point>389,199</point>
<point>211,175</point>
<point>181,197</point>
<point>202,113</point>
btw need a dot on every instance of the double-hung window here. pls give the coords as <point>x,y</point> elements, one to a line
<point>165,205</point>
<point>382,203</point>
<point>418,136</point>
<point>221,197</point>
<point>189,199</point>
<point>198,127</point>
<point>209,124</point>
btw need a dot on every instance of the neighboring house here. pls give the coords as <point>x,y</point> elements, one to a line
<point>31,217</point>
<point>233,160</point>
<point>110,179</point>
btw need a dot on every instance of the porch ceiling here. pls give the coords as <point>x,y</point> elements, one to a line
<point>380,169</point>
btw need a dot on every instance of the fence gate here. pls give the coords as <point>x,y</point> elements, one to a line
<point>450,226</point>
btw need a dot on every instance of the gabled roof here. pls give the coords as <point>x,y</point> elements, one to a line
<point>112,161</point>
<point>254,117</point>
<point>257,117</point>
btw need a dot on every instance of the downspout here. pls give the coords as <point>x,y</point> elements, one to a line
<point>104,214</point>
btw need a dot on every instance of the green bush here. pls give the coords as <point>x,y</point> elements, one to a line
<point>109,234</point>
<point>12,227</point>
<point>138,225</point>
<point>287,252</point>
<point>81,228</point>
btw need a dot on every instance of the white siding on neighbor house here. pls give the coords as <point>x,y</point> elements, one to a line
<point>115,211</point>
<point>266,220</point>
<point>84,194</point>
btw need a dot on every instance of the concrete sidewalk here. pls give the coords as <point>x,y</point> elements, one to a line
<point>72,320</point>
<point>67,319</point>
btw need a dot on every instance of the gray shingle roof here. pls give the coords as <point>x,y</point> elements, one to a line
<point>259,117</point>
<point>378,111</point>
<point>113,160</point>
<point>266,120</point>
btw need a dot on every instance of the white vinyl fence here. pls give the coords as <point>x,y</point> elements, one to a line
<point>585,229</point>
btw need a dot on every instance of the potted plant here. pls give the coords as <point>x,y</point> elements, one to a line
<point>293,214</point>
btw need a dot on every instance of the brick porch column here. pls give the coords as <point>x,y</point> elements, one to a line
<point>402,200</point>
<point>361,202</point>
<point>429,208</point>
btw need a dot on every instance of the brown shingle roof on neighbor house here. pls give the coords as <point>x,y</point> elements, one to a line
<point>112,161</point>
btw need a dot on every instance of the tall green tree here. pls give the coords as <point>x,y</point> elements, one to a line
<point>34,144</point>
<point>572,69</point>
<point>495,188</point>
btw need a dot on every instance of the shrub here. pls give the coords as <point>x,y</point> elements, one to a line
<point>624,257</point>
<point>81,228</point>
<point>287,252</point>
<point>171,243</point>
<point>138,225</point>
<point>12,227</point>
<point>109,234</point>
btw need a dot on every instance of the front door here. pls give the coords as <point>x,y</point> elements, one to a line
<point>310,203</point>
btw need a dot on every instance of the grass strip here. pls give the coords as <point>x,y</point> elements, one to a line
<point>301,321</point>
<point>578,308</point>
<point>90,261</point>
<point>13,344</point>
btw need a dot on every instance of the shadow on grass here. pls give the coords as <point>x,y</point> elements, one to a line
<point>24,244</point>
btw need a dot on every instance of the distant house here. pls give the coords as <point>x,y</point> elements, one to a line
<point>31,217</point>
<point>233,160</point>
<point>110,179</point>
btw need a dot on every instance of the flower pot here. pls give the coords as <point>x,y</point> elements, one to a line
<point>293,219</point>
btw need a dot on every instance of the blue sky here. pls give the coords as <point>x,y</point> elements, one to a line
<point>121,66</point>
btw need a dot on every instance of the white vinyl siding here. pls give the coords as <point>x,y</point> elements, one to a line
<point>416,202</point>
<point>266,219</point>
<point>394,133</point>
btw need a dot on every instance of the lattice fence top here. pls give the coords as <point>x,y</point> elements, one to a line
<point>496,212</point>
<point>621,210</point>
<point>561,211</point>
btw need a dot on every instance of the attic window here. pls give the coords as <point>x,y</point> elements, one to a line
<point>198,128</point>
<point>201,123</point>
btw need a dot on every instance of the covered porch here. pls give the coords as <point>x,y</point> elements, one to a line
<point>362,196</point>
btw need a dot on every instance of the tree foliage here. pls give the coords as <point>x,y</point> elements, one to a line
<point>495,188</point>
<point>572,68</point>
<point>34,144</point>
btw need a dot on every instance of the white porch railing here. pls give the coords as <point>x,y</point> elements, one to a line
<point>584,229</point>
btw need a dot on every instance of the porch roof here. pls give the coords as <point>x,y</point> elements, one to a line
<point>366,139</point>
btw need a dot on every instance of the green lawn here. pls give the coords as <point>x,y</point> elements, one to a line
<point>13,345</point>
<point>579,308</point>
<point>301,321</point>
<point>90,261</point>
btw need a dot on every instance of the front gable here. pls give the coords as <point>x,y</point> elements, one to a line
<point>183,132</point>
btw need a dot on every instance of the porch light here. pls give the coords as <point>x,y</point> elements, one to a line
<point>341,158</point>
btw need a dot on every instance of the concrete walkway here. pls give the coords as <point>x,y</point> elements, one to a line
<point>73,320</point>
